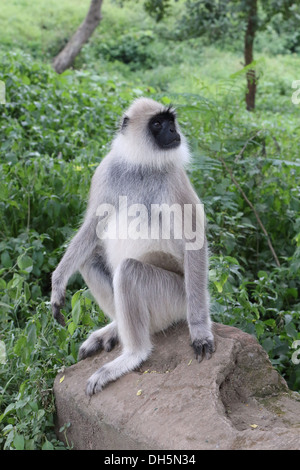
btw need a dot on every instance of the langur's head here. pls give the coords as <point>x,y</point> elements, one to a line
<point>149,135</point>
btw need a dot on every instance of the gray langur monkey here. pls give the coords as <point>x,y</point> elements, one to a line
<point>142,283</point>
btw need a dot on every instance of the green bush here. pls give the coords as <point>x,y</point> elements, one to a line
<point>248,289</point>
<point>131,48</point>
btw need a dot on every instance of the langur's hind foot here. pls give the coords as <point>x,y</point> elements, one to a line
<point>105,338</point>
<point>127,362</point>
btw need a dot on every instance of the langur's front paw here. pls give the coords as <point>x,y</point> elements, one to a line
<point>203,347</point>
<point>57,313</point>
<point>97,381</point>
<point>57,302</point>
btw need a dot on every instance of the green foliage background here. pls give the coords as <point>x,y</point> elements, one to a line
<point>55,129</point>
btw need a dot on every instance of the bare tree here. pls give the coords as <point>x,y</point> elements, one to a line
<point>248,52</point>
<point>66,57</point>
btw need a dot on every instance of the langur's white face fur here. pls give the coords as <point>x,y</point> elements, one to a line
<point>136,145</point>
<point>142,285</point>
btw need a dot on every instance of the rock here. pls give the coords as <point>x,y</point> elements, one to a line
<point>236,400</point>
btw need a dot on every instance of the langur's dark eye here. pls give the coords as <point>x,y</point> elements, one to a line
<point>157,124</point>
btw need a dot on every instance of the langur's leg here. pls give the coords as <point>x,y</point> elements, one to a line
<point>147,299</point>
<point>99,281</point>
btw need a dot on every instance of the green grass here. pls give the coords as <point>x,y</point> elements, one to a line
<point>55,129</point>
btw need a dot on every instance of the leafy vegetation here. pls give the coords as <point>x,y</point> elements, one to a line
<point>55,129</point>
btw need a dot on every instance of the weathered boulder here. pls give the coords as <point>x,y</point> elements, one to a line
<point>236,400</point>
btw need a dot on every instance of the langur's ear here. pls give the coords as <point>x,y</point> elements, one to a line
<point>125,122</point>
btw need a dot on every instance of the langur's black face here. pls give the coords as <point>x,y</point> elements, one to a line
<point>163,130</point>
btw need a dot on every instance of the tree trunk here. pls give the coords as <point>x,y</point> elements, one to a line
<point>66,57</point>
<point>248,54</point>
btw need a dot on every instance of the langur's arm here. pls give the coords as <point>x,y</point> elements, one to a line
<point>81,246</point>
<point>196,274</point>
<point>198,316</point>
<point>79,250</point>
